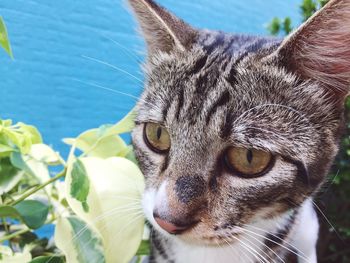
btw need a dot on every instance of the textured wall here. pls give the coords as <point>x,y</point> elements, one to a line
<point>42,85</point>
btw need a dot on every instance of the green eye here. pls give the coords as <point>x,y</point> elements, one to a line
<point>156,137</point>
<point>248,162</point>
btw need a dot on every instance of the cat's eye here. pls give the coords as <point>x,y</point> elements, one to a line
<point>156,137</point>
<point>248,162</point>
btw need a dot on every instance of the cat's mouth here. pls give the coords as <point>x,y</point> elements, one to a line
<point>201,235</point>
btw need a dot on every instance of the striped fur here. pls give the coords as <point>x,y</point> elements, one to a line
<point>213,90</point>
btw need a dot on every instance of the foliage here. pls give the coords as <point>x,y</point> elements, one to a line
<point>4,39</point>
<point>284,26</point>
<point>97,204</point>
<point>95,201</point>
<point>333,203</point>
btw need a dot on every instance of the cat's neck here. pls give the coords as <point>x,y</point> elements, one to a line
<point>264,241</point>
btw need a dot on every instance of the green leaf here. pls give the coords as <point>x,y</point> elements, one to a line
<point>18,162</point>
<point>79,242</point>
<point>44,154</point>
<point>116,184</point>
<point>308,8</point>
<point>80,184</point>
<point>144,248</point>
<point>9,211</point>
<point>9,176</point>
<point>48,259</point>
<point>30,166</point>
<point>32,132</point>
<point>105,141</point>
<point>5,123</point>
<point>6,149</point>
<point>33,213</point>
<point>4,39</point>
<point>287,25</point>
<point>19,139</point>
<point>124,125</point>
<point>275,26</point>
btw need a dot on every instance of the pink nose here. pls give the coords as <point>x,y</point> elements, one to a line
<point>170,227</point>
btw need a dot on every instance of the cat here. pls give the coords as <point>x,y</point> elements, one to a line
<point>235,135</point>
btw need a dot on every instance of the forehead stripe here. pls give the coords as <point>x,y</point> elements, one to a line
<point>221,101</point>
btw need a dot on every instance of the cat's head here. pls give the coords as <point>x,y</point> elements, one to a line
<point>235,129</point>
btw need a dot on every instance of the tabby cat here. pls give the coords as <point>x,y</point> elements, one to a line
<point>235,134</point>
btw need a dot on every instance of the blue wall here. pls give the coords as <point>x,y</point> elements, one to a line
<point>44,85</point>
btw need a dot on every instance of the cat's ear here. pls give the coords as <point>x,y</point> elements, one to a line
<point>320,48</point>
<point>161,29</point>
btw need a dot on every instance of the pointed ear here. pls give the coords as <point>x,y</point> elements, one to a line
<point>162,30</point>
<point>320,48</point>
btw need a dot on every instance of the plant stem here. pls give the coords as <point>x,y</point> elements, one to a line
<point>36,189</point>
<point>22,231</point>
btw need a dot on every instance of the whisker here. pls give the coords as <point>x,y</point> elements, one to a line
<point>114,91</point>
<point>257,246</point>
<point>269,239</point>
<point>328,221</point>
<point>105,226</point>
<point>113,67</point>
<point>242,251</point>
<point>123,229</point>
<point>250,235</point>
<point>127,51</point>
<point>252,251</point>
<point>275,236</point>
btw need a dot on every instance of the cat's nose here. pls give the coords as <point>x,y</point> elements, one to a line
<point>171,227</point>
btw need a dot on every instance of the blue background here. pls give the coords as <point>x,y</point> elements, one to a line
<point>45,85</point>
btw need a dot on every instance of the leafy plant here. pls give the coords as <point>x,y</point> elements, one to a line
<point>96,205</point>
<point>93,203</point>
<point>333,203</point>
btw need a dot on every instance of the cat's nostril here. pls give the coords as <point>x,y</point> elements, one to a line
<point>170,227</point>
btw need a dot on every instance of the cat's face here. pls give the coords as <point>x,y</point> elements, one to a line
<point>228,132</point>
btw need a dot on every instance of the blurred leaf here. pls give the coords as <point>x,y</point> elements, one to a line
<point>30,166</point>
<point>116,184</point>
<point>144,248</point>
<point>6,149</point>
<point>48,259</point>
<point>32,132</point>
<point>9,211</point>
<point>287,25</point>
<point>4,39</point>
<point>43,153</point>
<point>33,213</point>
<point>5,123</point>
<point>9,176</point>
<point>7,256</point>
<point>80,185</point>
<point>79,242</point>
<point>105,141</point>
<point>323,2</point>
<point>19,139</point>
<point>275,26</point>
<point>308,8</point>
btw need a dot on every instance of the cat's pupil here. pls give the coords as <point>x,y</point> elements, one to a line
<point>159,132</point>
<point>249,156</point>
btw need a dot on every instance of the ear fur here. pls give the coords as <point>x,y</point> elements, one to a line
<point>320,48</point>
<point>162,30</point>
